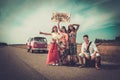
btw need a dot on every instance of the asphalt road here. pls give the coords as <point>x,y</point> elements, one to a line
<point>18,64</point>
<point>13,68</point>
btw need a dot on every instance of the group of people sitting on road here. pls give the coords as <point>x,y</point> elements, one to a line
<point>63,47</point>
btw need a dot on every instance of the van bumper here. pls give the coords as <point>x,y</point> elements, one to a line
<point>41,49</point>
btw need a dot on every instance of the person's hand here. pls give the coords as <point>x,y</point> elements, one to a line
<point>87,56</point>
<point>93,56</point>
<point>40,32</point>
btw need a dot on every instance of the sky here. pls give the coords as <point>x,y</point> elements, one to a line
<point>22,19</point>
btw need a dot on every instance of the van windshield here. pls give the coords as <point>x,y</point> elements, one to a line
<point>40,39</point>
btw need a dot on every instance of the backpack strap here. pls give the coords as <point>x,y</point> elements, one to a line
<point>88,47</point>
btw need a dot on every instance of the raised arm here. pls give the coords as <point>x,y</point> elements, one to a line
<point>59,26</point>
<point>45,33</point>
<point>77,26</point>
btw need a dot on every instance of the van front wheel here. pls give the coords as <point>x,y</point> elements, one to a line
<point>32,51</point>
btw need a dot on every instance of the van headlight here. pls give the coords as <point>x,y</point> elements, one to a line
<point>45,45</point>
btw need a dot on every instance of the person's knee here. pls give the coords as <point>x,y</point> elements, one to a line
<point>97,55</point>
<point>81,55</point>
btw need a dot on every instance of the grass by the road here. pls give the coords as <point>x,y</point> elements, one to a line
<point>110,53</point>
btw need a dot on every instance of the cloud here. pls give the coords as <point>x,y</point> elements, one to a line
<point>30,17</point>
<point>93,19</point>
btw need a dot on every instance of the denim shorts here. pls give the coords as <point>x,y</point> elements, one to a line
<point>72,49</point>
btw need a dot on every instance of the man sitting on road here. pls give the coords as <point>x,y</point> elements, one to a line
<point>90,52</point>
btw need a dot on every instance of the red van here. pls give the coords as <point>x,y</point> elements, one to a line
<point>37,44</point>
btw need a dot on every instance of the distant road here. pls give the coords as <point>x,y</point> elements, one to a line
<point>18,64</point>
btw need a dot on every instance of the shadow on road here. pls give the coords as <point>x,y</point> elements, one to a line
<point>103,66</point>
<point>38,52</point>
<point>110,66</point>
<point>2,46</point>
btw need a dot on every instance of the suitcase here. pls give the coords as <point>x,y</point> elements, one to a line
<point>91,63</point>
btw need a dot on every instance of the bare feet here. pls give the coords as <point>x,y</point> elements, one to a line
<point>98,68</point>
<point>82,66</point>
